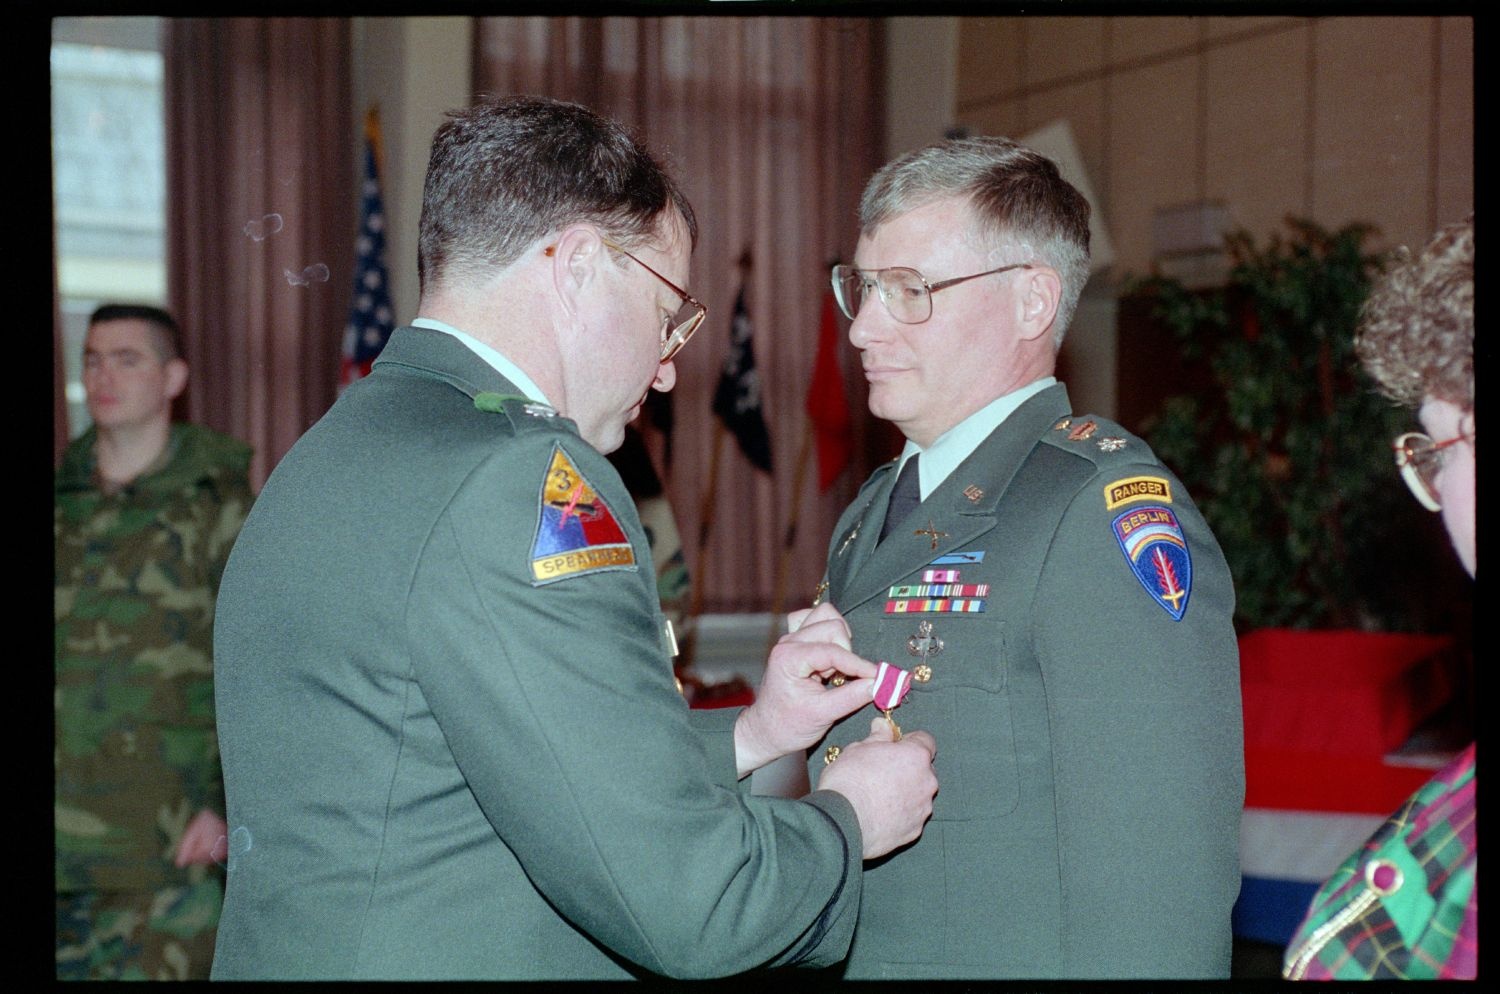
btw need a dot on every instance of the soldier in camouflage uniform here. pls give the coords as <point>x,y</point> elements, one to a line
<point>145,513</point>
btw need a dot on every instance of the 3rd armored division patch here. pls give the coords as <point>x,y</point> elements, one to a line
<point>576,533</point>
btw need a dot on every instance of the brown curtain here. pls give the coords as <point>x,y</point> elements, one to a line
<point>772,126</point>
<point>260,219</point>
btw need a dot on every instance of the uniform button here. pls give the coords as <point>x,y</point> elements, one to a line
<point>1383,876</point>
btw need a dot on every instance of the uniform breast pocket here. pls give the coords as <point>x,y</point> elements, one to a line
<point>965,702</point>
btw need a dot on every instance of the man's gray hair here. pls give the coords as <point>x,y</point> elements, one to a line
<point>1018,200</point>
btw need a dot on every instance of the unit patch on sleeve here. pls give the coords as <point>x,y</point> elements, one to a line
<point>576,533</point>
<point>1136,488</point>
<point>1157,552</point>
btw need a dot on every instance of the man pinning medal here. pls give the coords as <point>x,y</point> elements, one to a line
<point>452,744</point>
<point>1059,604</point>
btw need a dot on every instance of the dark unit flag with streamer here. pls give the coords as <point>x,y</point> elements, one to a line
<point>737,398</point>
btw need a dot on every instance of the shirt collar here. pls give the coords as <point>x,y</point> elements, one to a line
<point>490,355</point>
<point>957,443</point>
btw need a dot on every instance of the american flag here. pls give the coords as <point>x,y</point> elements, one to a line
<point>370,317</point>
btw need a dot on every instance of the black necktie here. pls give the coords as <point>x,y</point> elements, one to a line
<point>905,496</point>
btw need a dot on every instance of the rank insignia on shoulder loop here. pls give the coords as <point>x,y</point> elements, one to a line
<point>1083,431</point>
<point>1111,443</point>
<point>1156,551</point>
<point>576,533</point>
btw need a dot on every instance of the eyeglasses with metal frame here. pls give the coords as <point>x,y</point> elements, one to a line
<point>676,328</point>
<point>1420,459</point>
<point>906,293</point>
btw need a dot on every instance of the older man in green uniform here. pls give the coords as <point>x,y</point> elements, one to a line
<point>144,517</point>
<point>1055,597</point>
<point>452,743</point>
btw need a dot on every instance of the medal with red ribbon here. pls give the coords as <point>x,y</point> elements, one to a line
<point>891,685</point>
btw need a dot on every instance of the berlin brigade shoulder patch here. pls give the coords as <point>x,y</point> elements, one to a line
<point>576,533</point>
<point>1157,552</point>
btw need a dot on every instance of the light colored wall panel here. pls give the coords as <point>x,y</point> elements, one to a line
<point>1220,28</point>
<point>1373,107</point>
<point>1082,106</point>
<point>989,58</point>
<point>1132,38</point>
<point>1455,167</point>
<point>1003,117</point>
<point>1058,47</point>
<point>1153,154</point>
<point>921,56</point>
<point>1256,129</point>
<point>415,68</point>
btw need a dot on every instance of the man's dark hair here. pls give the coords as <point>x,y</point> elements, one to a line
<point>504,173</point>
<point>166,337</point>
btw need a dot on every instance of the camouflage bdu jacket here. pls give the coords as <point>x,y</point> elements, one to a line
<point>135,751</point>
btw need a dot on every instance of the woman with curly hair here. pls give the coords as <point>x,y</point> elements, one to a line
<point>1406,904</point>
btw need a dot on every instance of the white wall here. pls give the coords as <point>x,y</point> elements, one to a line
<point>415,68</point>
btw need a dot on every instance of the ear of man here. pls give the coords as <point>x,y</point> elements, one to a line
<point>1037,299</point>
<point>176,371</point>
<point>576,265</point>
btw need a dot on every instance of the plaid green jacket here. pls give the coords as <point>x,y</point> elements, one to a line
<point>1406,905</point>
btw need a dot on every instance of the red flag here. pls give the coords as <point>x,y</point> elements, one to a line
<point>827,405</point>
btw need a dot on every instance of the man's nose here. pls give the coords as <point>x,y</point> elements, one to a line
<point>866,326</point>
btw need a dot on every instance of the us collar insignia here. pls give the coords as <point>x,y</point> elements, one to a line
<point>931,532</point>
<point>974,493</point>
<point>1156,551</point>
<point>576,533</point>
<point>1063,425</point>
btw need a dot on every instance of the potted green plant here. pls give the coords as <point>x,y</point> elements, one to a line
<point>1287,452</point>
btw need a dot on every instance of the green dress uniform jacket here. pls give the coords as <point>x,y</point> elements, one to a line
<point>448,757</point>
<point>1089,742</point>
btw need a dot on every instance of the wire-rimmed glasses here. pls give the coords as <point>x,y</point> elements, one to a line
<point>906,293</point>
<point>1420,460</point>
<point>676,328</point>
